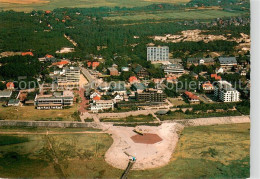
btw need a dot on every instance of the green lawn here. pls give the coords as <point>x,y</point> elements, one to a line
<point>178,115</point>
<point>192,159</point>
<point>29,113</point>
<point>176,14</point>
<point>140,118</point>
<point>202,152</point>
<point>53,4</point>
<point>78,155</point>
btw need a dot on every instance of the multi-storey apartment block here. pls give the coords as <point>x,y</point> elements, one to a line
<point>69,78</point>
<point>151,95</point>
<point>225,92</point>
<point>158,53</point>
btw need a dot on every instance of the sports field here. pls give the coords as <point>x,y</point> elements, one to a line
<point>189,15</point>
<point>202,152</point>
<point>29,5</point>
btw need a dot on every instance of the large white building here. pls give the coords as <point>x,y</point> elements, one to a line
<point>69,77</point>
<point>155,54</point>
<point>225,92</point>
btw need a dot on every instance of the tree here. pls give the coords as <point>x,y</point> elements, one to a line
<point>151,85</point>
<point>2,86</point>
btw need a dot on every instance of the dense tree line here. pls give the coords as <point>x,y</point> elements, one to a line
<point>13,67</point>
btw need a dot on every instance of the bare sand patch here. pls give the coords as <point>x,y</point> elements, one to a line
<point>148,155</point>
<point>25,1</point>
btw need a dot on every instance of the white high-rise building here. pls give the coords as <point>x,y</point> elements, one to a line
<point>158,53</point>
<point>69,77</point>
<point>225,92</point>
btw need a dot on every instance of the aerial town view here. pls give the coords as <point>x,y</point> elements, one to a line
<point>124,88</point>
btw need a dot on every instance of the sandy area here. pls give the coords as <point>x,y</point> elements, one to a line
<point>158,154</point>
<point>82,81</point>
<point>148,155</point>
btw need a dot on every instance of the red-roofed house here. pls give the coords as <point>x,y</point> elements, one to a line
<point>95,94</point>
<point>61,63</point>
<point>48,56</point>
<point>96,98</point>
<point>216,77</point>
<point>10,85</point>
<point>27,53</point>
<point>207,87</point>
<point>133,79</point>
<point>95,65</point>
<point>171,79</point>
<point>47,12</point>
<point>89,64</point>
<point>192,97</point>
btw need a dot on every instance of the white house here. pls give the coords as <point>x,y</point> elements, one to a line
<point>94,95</point>
<point>102,105</point>
<point>5,94</point>
<point>118,98</point>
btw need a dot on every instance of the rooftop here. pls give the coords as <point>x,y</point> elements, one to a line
<point>227,60</point>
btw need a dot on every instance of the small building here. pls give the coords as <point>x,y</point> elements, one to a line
<point>13,102</point>
<point>138,87</point>
<point>219,70</point>
<point>61,63</point>
<point>227,62</point>
<point>115,66</point>
<point>200,61</point>
<point>118,98</point>
<point>5,94</point>
<point>175,60</point>
<point>133,79</point>
<point>207,87</point>
<point>125,69</point>
<point>118,88</point>
<point>173,69</point>
<point>104,86</point>
<point>215,77</point>
<point>27,53</point>
<point>141,72</point>
<point>112,71</point>
<point>192,98</point>
<point>95,94</point>
<point>10,86</point>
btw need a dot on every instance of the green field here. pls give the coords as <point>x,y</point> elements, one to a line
<point>140,118</point>
<point>188,15</point>
<point>202,152</point>
<point>53,4</point>
<point>29,113</point>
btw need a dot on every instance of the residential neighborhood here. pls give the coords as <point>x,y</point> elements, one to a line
<point>107,89</point>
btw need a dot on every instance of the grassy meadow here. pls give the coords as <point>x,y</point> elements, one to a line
<point>140,118</point>
<point>207,151</point>
<point>29,113</point>
<point>29,5</point>
<point>177,14</point>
